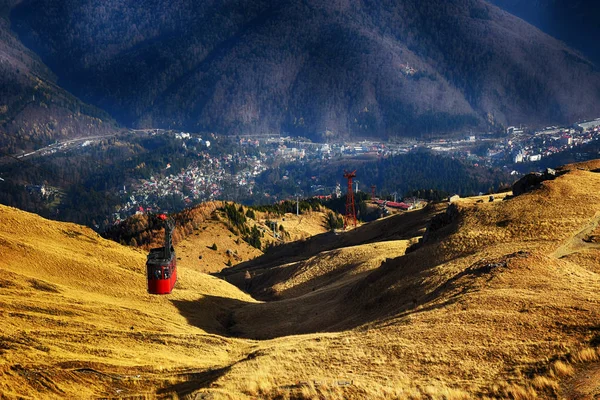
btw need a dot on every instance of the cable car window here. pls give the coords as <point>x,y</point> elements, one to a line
<point>157,273</point>
<point>167,273</point>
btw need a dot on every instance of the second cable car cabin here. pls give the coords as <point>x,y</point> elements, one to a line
<point>161,268</point>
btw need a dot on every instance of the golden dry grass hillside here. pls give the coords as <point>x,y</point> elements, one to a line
<point>195,249</point>
<point>77,321</point>
<point>478,300</point>
<point>207,240</point>
<point>342,250</point>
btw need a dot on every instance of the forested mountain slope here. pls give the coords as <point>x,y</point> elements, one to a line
<point>34,110</point>
<point>319,69</point>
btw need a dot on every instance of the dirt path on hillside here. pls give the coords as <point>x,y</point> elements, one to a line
<point>576,242</point>
<point>585,384</point>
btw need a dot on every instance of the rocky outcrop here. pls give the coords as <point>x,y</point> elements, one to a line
<point>441,221</point>
<point>533,181</point>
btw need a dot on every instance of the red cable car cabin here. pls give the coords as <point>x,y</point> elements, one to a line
<point>161,268</point>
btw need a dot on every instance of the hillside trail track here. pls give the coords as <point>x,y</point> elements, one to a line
<point>576,243</point>
<point>585,384</point>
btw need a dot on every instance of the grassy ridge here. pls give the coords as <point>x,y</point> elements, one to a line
<point>501,302</point>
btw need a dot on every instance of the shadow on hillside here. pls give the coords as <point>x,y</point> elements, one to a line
<point>336,302</point>
<point>291,252</point>
<point>462,283</point>
<point>191,382</point>
<point>317,283</point>
<point>326,309</point>
<point>263,321</point>
<point>264,269</point>
<point>402,226</point>
<point>212,314</point>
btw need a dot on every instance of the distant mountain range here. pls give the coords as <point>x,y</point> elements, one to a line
<point>318,69</point>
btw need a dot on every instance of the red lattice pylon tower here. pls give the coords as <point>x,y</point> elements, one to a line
<point>373,188</point>
<point>350,217</point>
